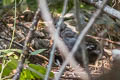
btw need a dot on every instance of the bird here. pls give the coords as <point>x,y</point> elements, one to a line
<point>91,46</point>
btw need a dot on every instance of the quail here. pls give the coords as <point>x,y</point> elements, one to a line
<point>91,46</point>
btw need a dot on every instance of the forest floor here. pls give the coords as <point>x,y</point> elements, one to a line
<point>42,40</point>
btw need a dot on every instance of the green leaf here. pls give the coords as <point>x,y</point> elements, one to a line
<point>9,67</point>
<point>37,51</point>
<point>26,75</point>
<point>33,73</point>
<point>7,51</point>
<point>39,69</point>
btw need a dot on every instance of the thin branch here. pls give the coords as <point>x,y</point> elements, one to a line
<point>71,78</point>
<point>14,27</point>
<point>80,38</point>
<point>79,17</point>
<point>99,38</point>
<point>51,28</point>
<point>35,71</point>
<point>7,39</point>
<point>80,24</point>
<point>107,9</point>
<point>54,45</point>
<point>25,49</point>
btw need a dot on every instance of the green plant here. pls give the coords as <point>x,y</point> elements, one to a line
<point>9,65</point>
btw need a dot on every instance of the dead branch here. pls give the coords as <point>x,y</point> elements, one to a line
<point>7,39</point>
<point>51,28</point>
<point>54,44</point>
<point>99,38</point>
<point>25,52</point>
<point>81,36</point>
<point>107,9</point>
<point>80,21</point>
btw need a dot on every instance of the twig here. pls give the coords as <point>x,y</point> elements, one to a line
<point>99,38</point>
<point>80,38</point>
<point>51,28</point>
<point>73,78</point>
<point>107,9</point>
<point>80,22</point>
<point>50,61</point>
<point>20,45</point>
<point>35,71</point>
<point>14,27</point>
<point>56,34</point>
<point>25,49</point>
<point>39,55</point>
<point>79,17</point>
